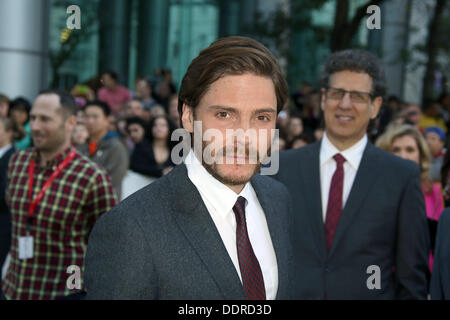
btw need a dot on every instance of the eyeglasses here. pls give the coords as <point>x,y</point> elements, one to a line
<point>355,96</point>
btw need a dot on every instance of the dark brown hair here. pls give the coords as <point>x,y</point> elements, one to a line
<point>230,56</point>
<point>356,60</point>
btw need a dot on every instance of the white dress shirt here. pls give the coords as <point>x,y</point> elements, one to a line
<point>219,200</point>
<point>5,149</point>
<point>352,156</point>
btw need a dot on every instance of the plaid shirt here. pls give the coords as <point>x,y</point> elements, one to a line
<point>61,222</point>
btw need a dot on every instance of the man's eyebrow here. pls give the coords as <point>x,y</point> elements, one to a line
<point>269,110</point>
<point>230,109</point>
<point>217,107</point>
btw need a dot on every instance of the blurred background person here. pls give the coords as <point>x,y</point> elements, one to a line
<point>318,133</point>
<point>435,138</point>
<point>388,112</point>
<point>152,153</point>
<point>300,141</point>
<point>113,93</point>
<point>311,113</point>
<point>283,118</point>
<point>4,105</point>
<point>165,87</point>
<point>299,97</point>
<point>294,128</point>
<point>104,146</point>
<point>134,108</point>
<point>19,112</point>
<point>407,142</point>
<point>9,132</point>
<point>144,92</point>
<point>444,101</point>
<point>157,111</point>
<point>412,114</point>
<point>151,156</point>
<point>80,134</point>
<point>172,111</point>
<point>431,116</point>
<point>82,91</point>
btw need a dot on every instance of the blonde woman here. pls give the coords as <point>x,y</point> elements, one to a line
<point>408,143</point>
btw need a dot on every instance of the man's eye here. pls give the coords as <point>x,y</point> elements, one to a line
<point>223,114</point>
<point>263,118</point>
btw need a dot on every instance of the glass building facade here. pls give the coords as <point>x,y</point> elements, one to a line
<point>135,37</point>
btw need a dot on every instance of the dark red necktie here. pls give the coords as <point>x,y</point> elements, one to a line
<point>334,208</point>
<point>252,278</point>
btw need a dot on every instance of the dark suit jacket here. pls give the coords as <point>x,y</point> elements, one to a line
<point>5,219</point>
<point>5,216</point>
<point>161,243</point>
<point>440,278</point>
<point>383,223</point>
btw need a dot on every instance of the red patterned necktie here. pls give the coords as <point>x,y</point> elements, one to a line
<point>334,209</point>
<point>252,278</point>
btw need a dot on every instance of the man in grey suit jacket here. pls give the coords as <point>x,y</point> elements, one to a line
<point>212,228</point>
<point>361,229</point>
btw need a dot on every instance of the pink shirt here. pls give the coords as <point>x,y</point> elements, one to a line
<point>434,202</point>
<point>115,99</point>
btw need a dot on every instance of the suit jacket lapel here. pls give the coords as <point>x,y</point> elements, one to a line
<point>310,179</point>
<point>277,229</point>
<point>364,180</point>
<point>194,220</point>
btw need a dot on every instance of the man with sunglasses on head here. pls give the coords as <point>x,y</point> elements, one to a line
<point>359,211</point>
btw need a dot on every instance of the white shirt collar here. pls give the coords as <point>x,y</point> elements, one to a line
<point>353,154</point>
<point>221,197</point>
<point>5,149</point>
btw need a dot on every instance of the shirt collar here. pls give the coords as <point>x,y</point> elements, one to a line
<point>352,155</point>
<point>52,162</point>
<point>221,197</point>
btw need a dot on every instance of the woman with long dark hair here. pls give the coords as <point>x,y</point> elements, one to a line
<point>151,155</point>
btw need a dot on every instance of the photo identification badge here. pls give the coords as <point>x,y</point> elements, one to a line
<point>26,247</point>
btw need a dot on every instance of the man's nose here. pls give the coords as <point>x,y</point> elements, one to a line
<point>34,124</point>
<point>346,101</point>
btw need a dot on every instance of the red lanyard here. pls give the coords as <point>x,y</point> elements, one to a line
<point>47,184</point>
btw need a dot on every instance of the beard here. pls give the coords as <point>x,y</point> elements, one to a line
<point>51,142</point>
<point>233,180</point>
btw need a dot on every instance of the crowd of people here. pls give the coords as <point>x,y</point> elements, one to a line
<point>126,133</point>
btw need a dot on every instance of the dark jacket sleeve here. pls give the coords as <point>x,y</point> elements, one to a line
<point>118,260</point>
<point>413,243</point>
<point>440,278</point>
<point>4,161</point>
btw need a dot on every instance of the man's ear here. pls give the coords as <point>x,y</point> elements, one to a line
<point>187,117</point>
<point>71,122</point>
<point>376,105</point>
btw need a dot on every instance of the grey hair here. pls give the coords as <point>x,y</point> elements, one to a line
<point>360,61</point>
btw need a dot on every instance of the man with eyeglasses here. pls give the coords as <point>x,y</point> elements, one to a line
<point>359,211</point>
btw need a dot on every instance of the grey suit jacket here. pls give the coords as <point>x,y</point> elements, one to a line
<point>383,224</point>
<point>112,156</point>
<point>161,243</point>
